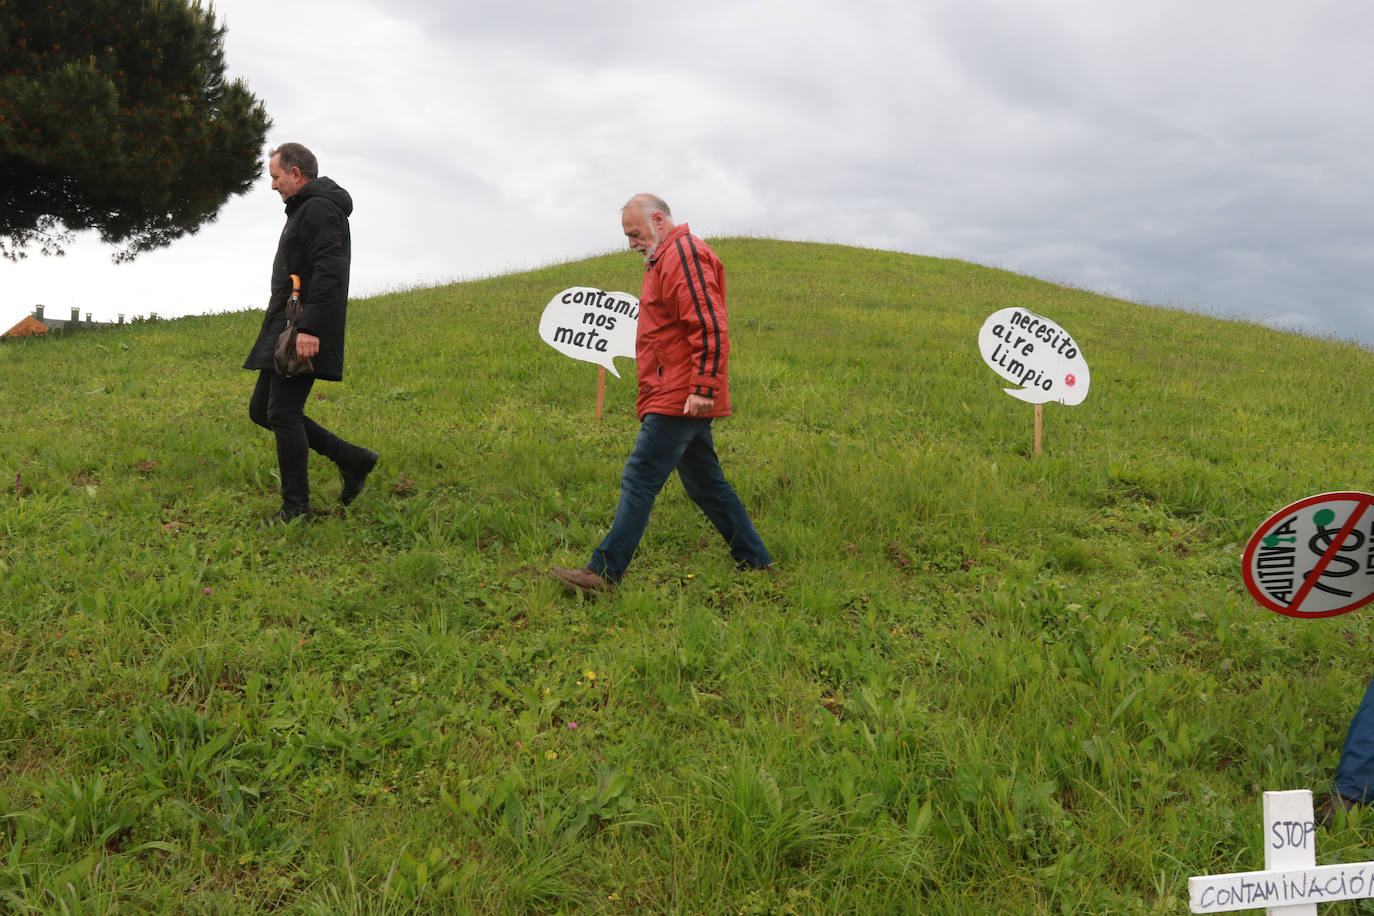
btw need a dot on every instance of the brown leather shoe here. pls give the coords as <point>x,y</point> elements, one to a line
<point>1326,811</point>
<point>581,580</point>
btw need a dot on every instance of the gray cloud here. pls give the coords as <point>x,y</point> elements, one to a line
<point>1210,156</point>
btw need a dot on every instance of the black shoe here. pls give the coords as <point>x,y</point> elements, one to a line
<point>355,475</point>
<point>288,514</point>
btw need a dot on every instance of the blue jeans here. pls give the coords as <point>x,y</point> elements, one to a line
<point>1355,772</point>
<point>665,443</point>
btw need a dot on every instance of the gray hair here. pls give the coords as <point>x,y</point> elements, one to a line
<point>648,204</point>
<point>293,155</point>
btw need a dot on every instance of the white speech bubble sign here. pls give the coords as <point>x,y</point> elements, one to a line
<point>1035,353</point>
<point>591,325</point>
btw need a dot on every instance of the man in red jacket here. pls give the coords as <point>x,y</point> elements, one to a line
<point>682,351</point>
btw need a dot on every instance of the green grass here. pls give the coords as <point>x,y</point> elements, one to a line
<point>984,681</point>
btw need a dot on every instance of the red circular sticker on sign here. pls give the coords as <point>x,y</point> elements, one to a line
<point>1314,558</point>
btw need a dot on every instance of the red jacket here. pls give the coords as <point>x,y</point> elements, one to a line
<point>681,343</point>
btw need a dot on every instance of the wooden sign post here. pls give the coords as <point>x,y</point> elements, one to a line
<point>591,325</point>
<point>600,390</point>
<point>1038,355</point>
<point>1292,883</point>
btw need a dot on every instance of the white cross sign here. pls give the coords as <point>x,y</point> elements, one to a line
<point>1292,883</point>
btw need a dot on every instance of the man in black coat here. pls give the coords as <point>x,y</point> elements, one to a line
<point>315,246</point>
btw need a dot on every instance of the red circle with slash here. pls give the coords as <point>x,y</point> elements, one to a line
<point>1314,558</point>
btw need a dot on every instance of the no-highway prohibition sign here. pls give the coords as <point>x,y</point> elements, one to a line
<point>1314,558</point>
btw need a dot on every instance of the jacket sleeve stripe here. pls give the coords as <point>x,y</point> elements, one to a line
<point>710,331</point>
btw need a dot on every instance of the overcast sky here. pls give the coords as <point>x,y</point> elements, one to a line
<point>1213,155</point>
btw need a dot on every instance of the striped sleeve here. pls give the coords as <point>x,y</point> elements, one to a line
<point>704,313</point>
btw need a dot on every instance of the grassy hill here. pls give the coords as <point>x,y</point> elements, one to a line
<point>984,681</point>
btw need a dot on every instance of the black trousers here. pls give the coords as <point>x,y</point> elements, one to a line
<point>278,404</point>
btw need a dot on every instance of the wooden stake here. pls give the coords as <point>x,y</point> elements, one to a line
<point>1039,425</point>
<point>600,390</point>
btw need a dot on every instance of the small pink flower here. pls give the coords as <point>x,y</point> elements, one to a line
<point>207,591</point>
<point>572,725</point>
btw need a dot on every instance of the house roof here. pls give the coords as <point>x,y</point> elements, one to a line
<point>28,326</point>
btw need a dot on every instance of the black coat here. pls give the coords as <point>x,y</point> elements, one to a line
<point>316,246</point>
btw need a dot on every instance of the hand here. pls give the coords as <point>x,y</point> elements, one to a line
<point>307,345</point>
<point>698,406</point>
